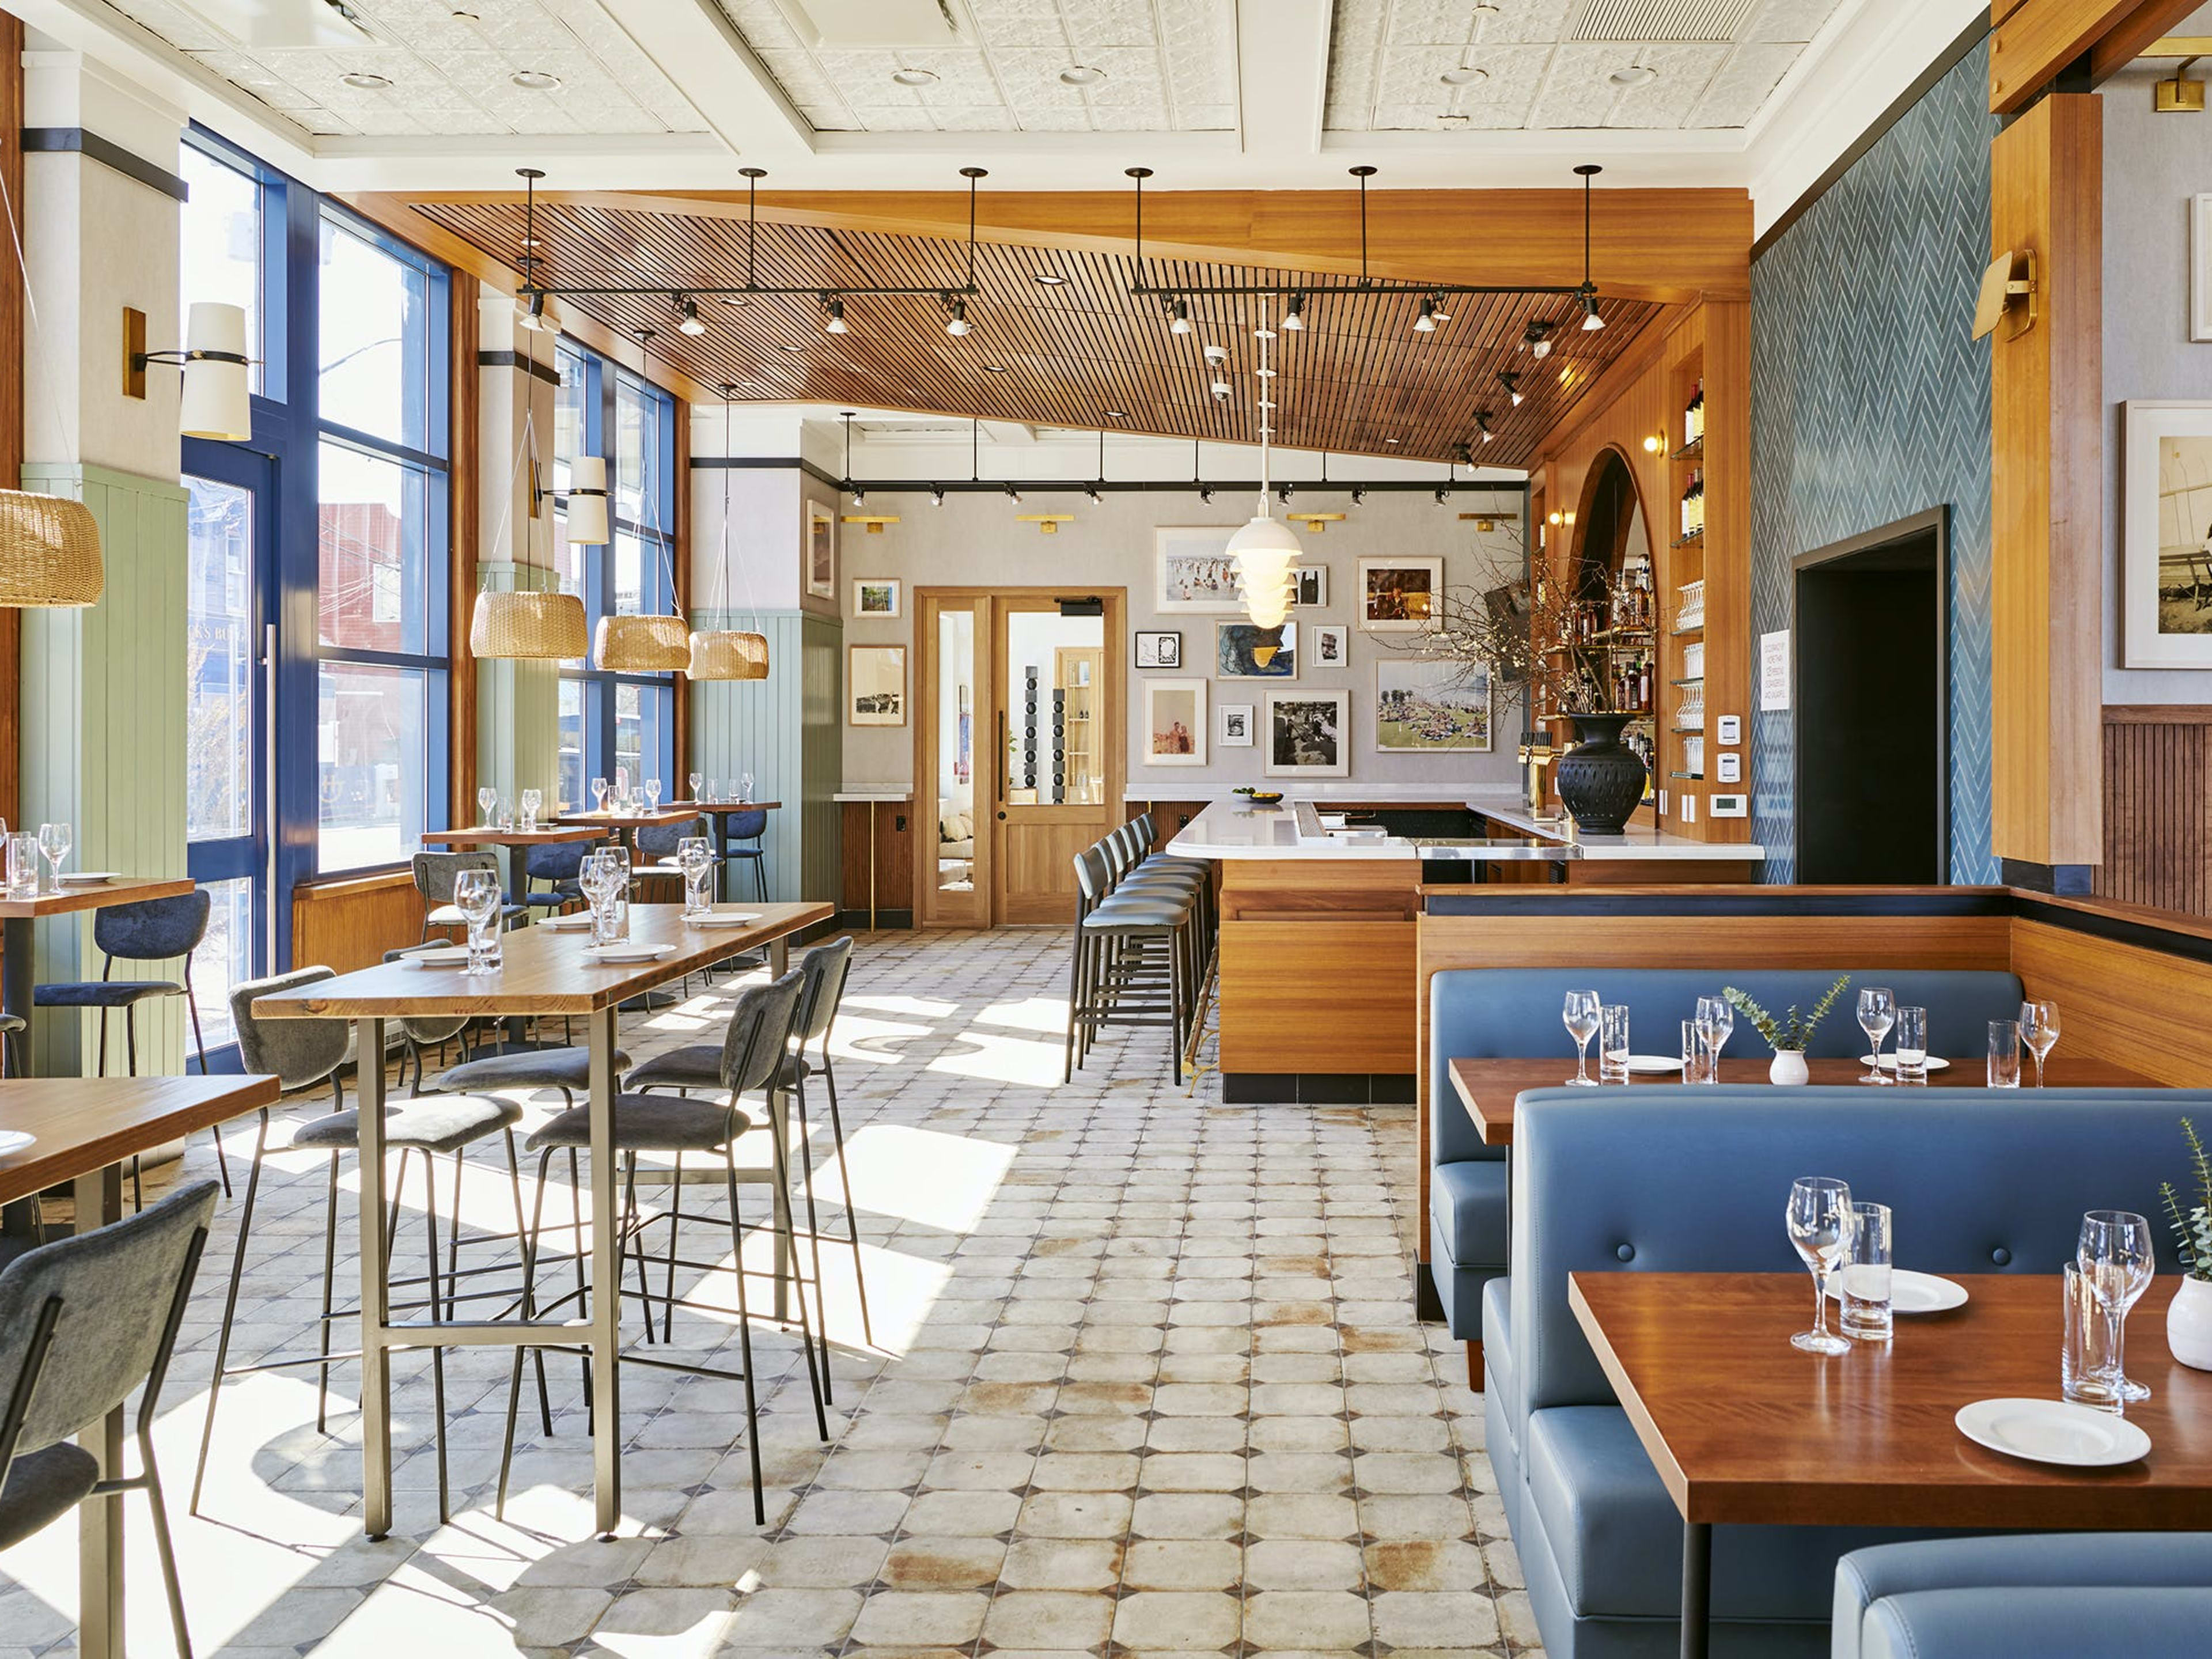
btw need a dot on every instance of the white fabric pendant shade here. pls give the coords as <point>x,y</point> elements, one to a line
<point>728,655</point>
<point>587,502</point>
<point>641,645</point>
<point>1266,552</point>
<point>531,627</point>
<point>49,552</point>
<point>217,403</point>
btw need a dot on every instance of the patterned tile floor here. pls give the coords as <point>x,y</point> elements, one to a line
<point>1146,1380</point>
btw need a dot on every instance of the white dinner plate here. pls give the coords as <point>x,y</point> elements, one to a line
<point>1889,1062</point>
<point>1913,1293</point>
<point>724,918</point>
<point>447,956</point>
<point>1654,1064</point>
<point>580,922</point>
<point>89,877</point>
<point>15,1140</point>
<point>610,954</point>
<point>2052,1432</point>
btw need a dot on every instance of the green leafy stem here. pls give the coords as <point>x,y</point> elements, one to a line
<point>2192,1228</point>
<point>1793,1032</point>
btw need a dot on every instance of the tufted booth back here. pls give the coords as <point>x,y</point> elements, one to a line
<point>1661,1179</point>
<point>1508,1013</point>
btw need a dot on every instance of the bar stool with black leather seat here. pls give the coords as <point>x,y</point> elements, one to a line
<point>301,1054</point>
<point>754,1047</point>
<point>1131,869</point>
<point>435,874</point>
<point>85,1322</point>
<point>1130,962</point>
<point>150,930</point>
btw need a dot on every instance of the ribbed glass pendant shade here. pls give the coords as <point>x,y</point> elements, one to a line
<point>49,552</point>
<point>641,645</point>
<point>726,655</point>
<point>538,627</point>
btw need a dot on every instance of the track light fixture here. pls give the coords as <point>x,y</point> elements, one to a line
<point>1096,500</point>
<point>1426,322</point>
<point>1536,339</point>
<point>1359,494</point>
<point>1179,317</point>
<point>1013,494</point>
<point>1443,494</point>
<point>1206,492</point>
<point>937,494</point>
<point>687,308</point>
<point>1591,321</point>
<point>1511,380</point>
<point>530,314</point>
<point>955,317</point>
<point>1482,425</point>
<point>1283,493</point>
<point>1294,317</point>
<point>1462,454</point>
<point>834,316</point>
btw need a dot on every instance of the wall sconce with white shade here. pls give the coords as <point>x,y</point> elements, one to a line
<point>587,502</point>
<point>217,403</point>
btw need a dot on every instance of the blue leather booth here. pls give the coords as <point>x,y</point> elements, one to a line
<point>1663,1179</point>
<point>1492,1013</point>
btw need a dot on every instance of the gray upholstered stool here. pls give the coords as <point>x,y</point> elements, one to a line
<point>1132,960</point>
<point>435,874</point>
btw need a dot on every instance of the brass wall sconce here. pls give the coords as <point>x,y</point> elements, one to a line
<point>2180,95</point>
<point>1049,523</point>
<point>1318,523</point>
<point>2008,296</point>
<point>875,521</point>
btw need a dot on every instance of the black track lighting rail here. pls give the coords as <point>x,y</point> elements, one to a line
<point>1299,488</point>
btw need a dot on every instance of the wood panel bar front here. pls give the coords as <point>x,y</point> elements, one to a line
<point>1317,966</point>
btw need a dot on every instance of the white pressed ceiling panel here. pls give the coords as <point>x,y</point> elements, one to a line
<point>1548,64</point>
<point>1170,66</point>
<point>451,72</point>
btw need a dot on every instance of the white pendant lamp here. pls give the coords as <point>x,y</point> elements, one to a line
<point>216,403</point>
<point>587,502</point>
<point>1265,549</point>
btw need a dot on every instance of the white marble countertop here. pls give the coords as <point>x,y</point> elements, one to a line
<point>873,794</point>
<point>1236,829</point>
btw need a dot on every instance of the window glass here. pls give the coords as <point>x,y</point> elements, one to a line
<point>375,362</point>
<point>571,746</point>
<point>640,734</point>
<point>218,662</point>
<point>372,526</point>
<point>219,234</point>
<point>224,958</point>
<point>371,724</point>
<point>633,433</point>
<point>570,401</point>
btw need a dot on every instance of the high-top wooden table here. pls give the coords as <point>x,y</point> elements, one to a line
<point>1487,1087</point>
<point>1745,1428</point>
<point>87,1129</point>
<point>543,972</point>
<point>17,915</point>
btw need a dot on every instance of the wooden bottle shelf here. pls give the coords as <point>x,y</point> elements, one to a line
<point>1698,539</point>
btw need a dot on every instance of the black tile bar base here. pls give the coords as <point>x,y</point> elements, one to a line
<point>1317,1088</point>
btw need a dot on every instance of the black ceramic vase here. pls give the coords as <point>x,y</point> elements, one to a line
<point>1600,779</point>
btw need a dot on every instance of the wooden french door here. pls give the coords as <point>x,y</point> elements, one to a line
<point>1020,744</point>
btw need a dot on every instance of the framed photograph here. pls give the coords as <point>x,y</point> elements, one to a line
<point>1399,596</point>
<point>821,551</point>
<point>1241,652</point>
<point>1330,643</point>
<point>1424,704</point>
<point>2200,268</point>
<point>1195,570</point>
<point>877,596</point>
<point>875,684</point>
<point>1174,723</point>
<point>2166,535</point>
<point>1159,650</point>
<point>1235,726</point>
<point>1309,585</point>
<point>1306,734</point>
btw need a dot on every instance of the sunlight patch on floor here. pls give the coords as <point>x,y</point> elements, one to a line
<point>1004,1060</point>
<point>1045,1014</point>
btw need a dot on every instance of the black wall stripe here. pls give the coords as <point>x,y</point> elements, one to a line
<point>51,141</point>
<point>545,372</point>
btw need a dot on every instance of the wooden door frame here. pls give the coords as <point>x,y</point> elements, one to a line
<point>991,603</point>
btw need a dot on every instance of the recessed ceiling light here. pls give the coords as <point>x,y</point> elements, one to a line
<point>788,347</point>
<point>1052,279</point>
<point>1636,75</point>
<point>536,79</point>
<point>1465,75</point>
<point>1117,414</point>
<point>1081,75</point>
<point>915,77</point>
<point>995,368</point>
<point>362,81</point>
<point>1389,441</point>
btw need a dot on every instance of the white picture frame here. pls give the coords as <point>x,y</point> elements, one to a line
<point>879,598</point>
<point>1310,586</point>
<point>1233,658</point>
<point>1193,568</point>
<point>875,685</point>
<point>1398,596</point>
<point>821,551</point>
<point>2166,535</point>
<point>1309,734</point>
<point>1235,726</point>
<point>1431,705</point>
<point>1176,731</point>
<point>1328,645</point>
<point>2200,267</point>
<point>1159,649</point>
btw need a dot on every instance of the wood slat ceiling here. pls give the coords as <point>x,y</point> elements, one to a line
<point>1358,379</point>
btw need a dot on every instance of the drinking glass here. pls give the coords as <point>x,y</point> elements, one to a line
<point>598,878</point>
<point>486,795</point>
<point>1697,1065</point>
<point>2039,1029</point>
<point>504,816</point>
<point>2004,1054</point>
<point>1819,1220</point>
<point>1715,1021</point>
<point>475,894</point>
<point>2115,1257</point>
<point>1867,1265</point>
<point>1913,1045</point>
<point>618,856</point>
<point>696,780</point>
<point>598,794</point>
<point>54,842</point>
<point>1613,1043</point>
<point>653,795</point>
<point>710,792</point>
<point>532,802</point>
<point>23,865</point>
<point>695,855</point>
<point>745,789</point>
<point>2086,1373</point>
<point>1877,1013</point>
<point>1581,1015</point>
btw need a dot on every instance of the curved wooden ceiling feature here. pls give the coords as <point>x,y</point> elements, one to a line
<point>1358,378</point>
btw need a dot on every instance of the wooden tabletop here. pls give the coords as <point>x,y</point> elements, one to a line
<point>637,820</point>
<point>487,835</point>
<point>723,808</point>
<point>544,970</point>
<point>1488,1088</point>
<point>85,1123</point>
<point>95,896</point>
<point>1742,1427</point>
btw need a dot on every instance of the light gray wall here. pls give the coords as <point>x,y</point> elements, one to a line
<point>2153,164</point>
<point>975,540</point>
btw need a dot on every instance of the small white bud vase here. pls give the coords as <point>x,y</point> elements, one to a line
<point>2189,1324</point>
<point>1788,1070</point>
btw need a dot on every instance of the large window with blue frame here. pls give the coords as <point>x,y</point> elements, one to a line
<point>612,724</point>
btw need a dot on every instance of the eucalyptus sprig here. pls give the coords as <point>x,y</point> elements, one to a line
<point>1793,1032</point>
<point>2192,1230</point>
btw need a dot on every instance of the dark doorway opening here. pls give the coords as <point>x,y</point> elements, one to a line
<point>1871,627</point>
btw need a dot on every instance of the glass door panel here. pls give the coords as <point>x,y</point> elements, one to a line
<point>1058,730</point>
<point>952,770</point>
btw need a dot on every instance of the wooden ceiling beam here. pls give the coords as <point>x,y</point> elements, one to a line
<point>2038,38</point>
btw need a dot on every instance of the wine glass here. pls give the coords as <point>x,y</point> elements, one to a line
<point>653,795</point>
<point>475,894</point>
<point>2038,1028</point>
<point>54,842</point>
<point>1715,1024</point>
<point>2115,1257</point>
<point>598,794</point>
<point>1877,1013</point>
<point>1581,1016</point>
<point>1820,1218</point>
<point>696,855</point>
<point>487,797</point>
<point>745,789</point>
<point>696,780</point>
<point>598,880</point>
<point>534,802</point>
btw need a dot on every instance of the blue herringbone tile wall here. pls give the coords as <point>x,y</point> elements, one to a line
<point>1869,403</point>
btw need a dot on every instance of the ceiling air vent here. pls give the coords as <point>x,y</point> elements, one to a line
<point>277,25</point>
<point>889,24</point>
<point>1663,20</point>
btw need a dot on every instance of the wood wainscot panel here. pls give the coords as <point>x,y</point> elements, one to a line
<point>894,854</point>
<point>2127,1003</point>
<point>2157,808</point>
<point>1317,995</point>
<point>1286,889</point>
<point>350,924</point>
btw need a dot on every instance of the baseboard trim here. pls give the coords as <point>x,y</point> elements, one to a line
<point>1317,1088</point>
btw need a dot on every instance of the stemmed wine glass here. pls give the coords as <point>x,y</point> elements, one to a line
<point>1820,1217</point>
<point>598,794</point>
<point>697,779</point>
<point>696,855</point>
<point>475,894</point>
<point>1581,1015</point>
<point>54,841</point>
<point>534,802</point>
<point>599,880</point>
<point>653,795</point>
<point>487,797</point>
<point>2038,1028</point>
<point>2117,1258</point>
<point>1715,1024</point>
<point>745,789</point>
<point>1877,1013</point>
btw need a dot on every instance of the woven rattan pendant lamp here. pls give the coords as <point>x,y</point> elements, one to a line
<point>728,653</point>
<point>644,644</point>
<point>527,626</point>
